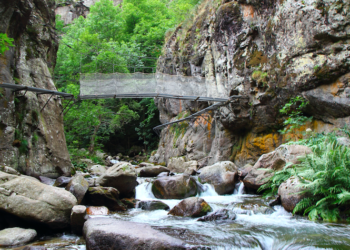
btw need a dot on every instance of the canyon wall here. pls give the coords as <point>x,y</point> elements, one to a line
<point>266,51</point>
<point>32,139</point>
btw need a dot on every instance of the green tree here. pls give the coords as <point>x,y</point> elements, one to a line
<point>5,43</point>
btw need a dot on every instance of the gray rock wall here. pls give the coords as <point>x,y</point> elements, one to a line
<point>31,141</point>
<point>267,51</point>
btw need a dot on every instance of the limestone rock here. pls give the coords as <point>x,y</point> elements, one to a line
<point>152,171</point>
<point>179,165</point>
<point>121,176</point>
<point>97,169</point>
<point>152,205</point>
<point>289,192</point>
<point>78,187</point>
<point>35,201</point>
<point>78,218</point>
<point>62,181</point>
<point>92,210</point>
<point>174,187</point>
<point>110,233</point>
<point>105,196</point>
<point>218,215</point>
<point>191,207</point>
<point>16,236</point>
<point>275,160</point>
<point>222,176</point>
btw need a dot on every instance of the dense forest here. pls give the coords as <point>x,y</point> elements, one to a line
<point>123,38</point>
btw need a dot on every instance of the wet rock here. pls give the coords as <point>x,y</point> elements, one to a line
<point>191,171</point>
<point>163,174</point>
<point>34,248</point>
<point>105,196</point>
<point>174,187</point>
<point>78,187</point>
<point>78,218</point>
<point>276,201</point>
<point>16,236</point>
<point>244,171</point>
<point>34,201</point>
<point>121,176</point>
<point>97,210</point>
<point>9,170</point>
<point>152,171</point>
<point>191,207</point>
<point>92,182</point>
<point>289,192</point>
<point>222,176</point>
<point>152,205</point>
<point>145,165</point>
<point>62,181</point>
<point>221,214</point>
<point>251,207</point>
<point>97,169</point>
<point>108,233</point>
<point>275,160</point>
<point>129,202</point>
<point>179,165</point>
<point>46,180</point>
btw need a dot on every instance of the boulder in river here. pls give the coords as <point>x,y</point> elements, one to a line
<point>221,175</point>
<point>191,207</point>
<point>9,170</point>
<point>78,218</point>
<point>46,180</point>
<point>179,164</point>
<point>105,196</point>
<point>62,181</point>
<point>102,210</point>
<point>218,215</point>
<point>152,171</point>
<point>289,193</point>
<point>121,176</point>
<point>32,200</point>
<point>110,233</point>
<point>174,187</point>
<point>152,205</point>
<point>252,208</point>
<point>275,161</point>
<point>130,202</point>
<point>97,169</point>
<point>16,236</point>
<point>78,187</point>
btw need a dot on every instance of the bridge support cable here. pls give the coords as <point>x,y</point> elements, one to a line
<point>194,116</point>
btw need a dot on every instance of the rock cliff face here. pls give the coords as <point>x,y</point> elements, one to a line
<point>71,9</point>
<point>31,140</point>
<point>268,51</point>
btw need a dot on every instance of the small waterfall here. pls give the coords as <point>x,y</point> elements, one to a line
<point>239,188</point>
<point>144,191</point>
<point>206,190</point>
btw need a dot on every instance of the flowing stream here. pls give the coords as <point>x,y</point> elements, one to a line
<point>257,226</point>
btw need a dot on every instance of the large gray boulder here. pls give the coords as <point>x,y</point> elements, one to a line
<point>34,201</point>
<point>62,181</point>
<point>273,161</point>
<point>222,175</point>
<point>152,205</point>
<point>191,207</point>
<point>97,169</point>
<point>289,192</point>
<point>174,187</point>
<point>105,196</point>
<point>152,171</point>
<point>78,187</point>
<point>16,236</point>
<point>179,164</point>
<point>77,218</point>
<point>121,176</point>
<point>110,233</point>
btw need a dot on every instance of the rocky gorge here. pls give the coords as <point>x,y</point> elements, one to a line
<point>199,190</point>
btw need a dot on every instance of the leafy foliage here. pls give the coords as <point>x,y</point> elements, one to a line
<point>5,43</point>
<point>294,110</point>
<point>324,176</point>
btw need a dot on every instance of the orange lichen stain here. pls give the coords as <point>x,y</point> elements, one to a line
<point>248,11</point>
<point>97,211</point>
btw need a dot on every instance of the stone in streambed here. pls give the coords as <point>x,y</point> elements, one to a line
<point>130,202</point>
<point>191,207</point>
<point>289,193</point>
<point>174,187</point>
<point>97,170</point>
<point>46,180</point>
<point>110,233</point>
<point>179,165</point>
<point>78,187</point>
<point>221,214</point>
<point>105,196</point>
<point>92,210</point>
<point>32,200</point>
<point>121,176</point>
<point>221,175</point>
<point>78,218</point>
<point>16,236</point>
<point>152,171</point>
<point>152,205</point>
<point>62,181</point>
